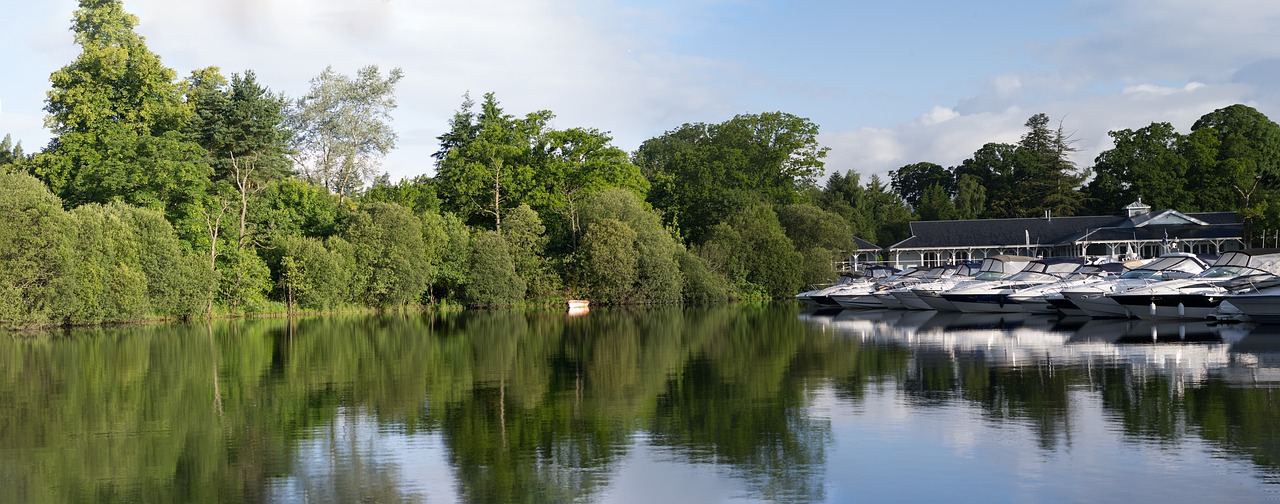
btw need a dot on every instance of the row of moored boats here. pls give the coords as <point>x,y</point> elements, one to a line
<point>1238,285</point>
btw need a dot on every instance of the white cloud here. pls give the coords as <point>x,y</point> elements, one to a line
<point>592,66</point>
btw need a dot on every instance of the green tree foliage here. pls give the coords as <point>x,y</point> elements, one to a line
<point>1144,164</point>
<point>700,173</point>
<point>702,285</point>
<point>1245,165</point>
<point>454,259</point>
<point>391,267</point>
<point>609,250</point>
<point>994,167</point>
<point>752,249</point>
<point>486,169</point>
<point>418,194</point>
<point>308,274</point>
<point>658,274</point>
<point>810,226</point>
<point>526,236</point>
<point>971,197</point>
<point>10,152</point>
<point>911,181</point>
<point>118,116</point>
<point>493,281</point>
<point>575,162</point>
<point>936,204</point>
<point>342,127</point>
<point>35,252</point>
<point>295,207</point>
<point>130,265</point>
<point>1045,171</point>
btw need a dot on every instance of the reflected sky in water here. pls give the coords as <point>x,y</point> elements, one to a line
<point>741,403</point>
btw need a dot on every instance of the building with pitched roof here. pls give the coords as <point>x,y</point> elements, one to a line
<point>1137,233</point>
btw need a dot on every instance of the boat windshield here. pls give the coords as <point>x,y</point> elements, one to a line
<point>1141,273</point>
<point>1230,272</point>
<point>1032,276</point>
<point>989,275</point>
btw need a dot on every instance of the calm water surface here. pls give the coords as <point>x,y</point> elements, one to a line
<point>727,404</point>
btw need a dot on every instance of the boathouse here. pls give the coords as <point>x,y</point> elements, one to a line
<point>1137,233</point>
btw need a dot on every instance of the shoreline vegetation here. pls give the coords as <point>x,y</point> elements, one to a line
<point>162,197</point>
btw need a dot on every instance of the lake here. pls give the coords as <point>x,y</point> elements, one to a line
<point>739,403</point>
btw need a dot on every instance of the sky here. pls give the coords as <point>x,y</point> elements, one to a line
<point>888,83</point>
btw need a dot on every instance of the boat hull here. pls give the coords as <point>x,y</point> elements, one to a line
<point>1168,306</point>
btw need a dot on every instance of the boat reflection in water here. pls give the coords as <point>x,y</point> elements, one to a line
<point>1182,350</point>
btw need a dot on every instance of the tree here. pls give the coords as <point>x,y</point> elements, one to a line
<point>493,280</point>
<point>936,204</point>
<point>657,271</point>
<point>1247,160</point>
<point>489,172</point>
<point>993,165</point>
<point>971,197</point>
<point>525,235</point>
<point>575,162</point>
<point>1143,164</point>
<point>242,127</point>
<point>9,152</point>
<point>391,269</point>
<point>911,181</point>
<point>36,252</point>
<point>342,127</point>
<point>700,174</point>
<point>611,259</point>
<point>1045,172</point>
<point>117,115</point>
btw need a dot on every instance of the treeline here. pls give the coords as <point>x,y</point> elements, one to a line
<point>1230,161</point>
<point>168,197</point>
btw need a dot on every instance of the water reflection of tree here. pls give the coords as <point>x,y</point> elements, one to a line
<point>530,406</point>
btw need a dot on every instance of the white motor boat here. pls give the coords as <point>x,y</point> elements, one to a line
<point>993,268</point>
<point>862,295</point>
<point>1199,296</point>
<point>994,296</point>
<point>951,276</point>
<point>1261,304</point>
<point>1037,298</point>
<point>1092,299</point>
<point>822,296</point>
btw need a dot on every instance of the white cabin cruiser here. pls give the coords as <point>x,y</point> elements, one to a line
<point>822,296</point>
<point>1199,296</point>
<point>1037,299</point>
<point>993,268</point>
<point>994,296</point>
<point>952,276</point>
<point>1092,299</point>
<point>862,295</point>
<point>1261,304</point>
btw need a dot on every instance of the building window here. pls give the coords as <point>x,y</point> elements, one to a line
<point>929,260</point>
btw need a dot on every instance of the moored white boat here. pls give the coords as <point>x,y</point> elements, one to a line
<point>1198,297</point>
<point>1092,299</point>
<point>993,268</point>
<point>994,296</point>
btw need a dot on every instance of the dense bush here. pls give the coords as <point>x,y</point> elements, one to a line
<point>657,272</point>
<point>35,248</point>
<point>612,260</point>
<point>390,266</point>
<point>309,275</point>
<point>701,284</point>
<point>493,281</point>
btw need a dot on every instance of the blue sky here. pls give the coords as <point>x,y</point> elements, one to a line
<point>890,83</point>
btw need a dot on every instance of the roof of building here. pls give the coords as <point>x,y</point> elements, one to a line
<point>864,245</point>
<point>1067,230</point>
